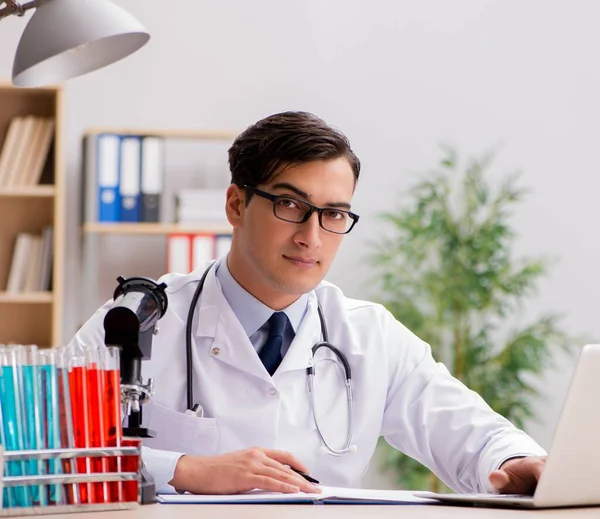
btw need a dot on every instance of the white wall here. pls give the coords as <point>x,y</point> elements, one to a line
<point>398,77</point>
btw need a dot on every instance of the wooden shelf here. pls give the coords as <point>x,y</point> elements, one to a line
<point>28,192</point>
<point>27,297</point>
<point>166,133</point>
<point>154,228</point>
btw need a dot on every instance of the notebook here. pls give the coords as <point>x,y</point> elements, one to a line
<point>572,473</point>
<point>329,495</point>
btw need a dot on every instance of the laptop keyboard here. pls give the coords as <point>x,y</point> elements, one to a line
<point>496,496</point>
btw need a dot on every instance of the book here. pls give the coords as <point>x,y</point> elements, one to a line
<point>19,263</point>
<point>328,495</point>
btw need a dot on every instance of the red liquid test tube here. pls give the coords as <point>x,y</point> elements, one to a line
<point>131,464</point>
<point>113,431</point>
<point>78,386</point>
<point>96,414</point>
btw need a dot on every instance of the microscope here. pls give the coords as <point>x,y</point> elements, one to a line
<point>130,323</point>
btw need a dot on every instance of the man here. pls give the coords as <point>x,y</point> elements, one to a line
<point>253,331</point>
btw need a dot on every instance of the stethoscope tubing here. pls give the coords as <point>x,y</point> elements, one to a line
<point>310,370</point>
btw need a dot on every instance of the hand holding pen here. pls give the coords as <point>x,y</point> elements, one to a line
<point>242,471</point>
<point>307,477</point>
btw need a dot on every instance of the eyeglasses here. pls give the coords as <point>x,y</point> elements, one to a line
<point>290,209</point>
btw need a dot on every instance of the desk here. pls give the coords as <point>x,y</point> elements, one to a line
<point>330,512</point>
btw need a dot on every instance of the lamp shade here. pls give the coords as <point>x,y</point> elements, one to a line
<point>68,38</point>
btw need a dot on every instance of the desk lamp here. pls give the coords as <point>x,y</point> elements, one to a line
<point>68,38</point>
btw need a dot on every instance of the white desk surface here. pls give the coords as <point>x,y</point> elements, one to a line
<point>158,511</point>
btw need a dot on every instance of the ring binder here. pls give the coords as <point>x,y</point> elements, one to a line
<point>43,480</point>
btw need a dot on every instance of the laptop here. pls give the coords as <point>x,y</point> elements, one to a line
<point>571,476</point>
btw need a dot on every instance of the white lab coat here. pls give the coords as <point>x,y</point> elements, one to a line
<point>400,392</point>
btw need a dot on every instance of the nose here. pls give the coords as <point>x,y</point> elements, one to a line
<point>309,232</point>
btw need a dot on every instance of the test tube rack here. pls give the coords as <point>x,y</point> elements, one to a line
<point>67,479</point>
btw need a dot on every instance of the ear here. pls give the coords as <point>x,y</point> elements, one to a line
<point>235,204</point>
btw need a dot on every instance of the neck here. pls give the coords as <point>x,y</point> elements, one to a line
<point>251,282</point>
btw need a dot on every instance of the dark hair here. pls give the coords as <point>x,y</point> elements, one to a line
<point>268,147</point>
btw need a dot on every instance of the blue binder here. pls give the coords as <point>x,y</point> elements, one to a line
<point>107,174</point>
<point>130,176</point>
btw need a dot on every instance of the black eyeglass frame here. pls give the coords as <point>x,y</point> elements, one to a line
<point>312,209</point>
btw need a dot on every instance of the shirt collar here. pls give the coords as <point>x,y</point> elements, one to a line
<point>252,313</point>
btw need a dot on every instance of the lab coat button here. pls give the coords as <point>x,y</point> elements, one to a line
<point>273,391</point>
<point>215,351</point>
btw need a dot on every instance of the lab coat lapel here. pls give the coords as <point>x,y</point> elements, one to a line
<point>299,355</point>
<point>229,343</point>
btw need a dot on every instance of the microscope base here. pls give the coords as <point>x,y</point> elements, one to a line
<point>147,488</point>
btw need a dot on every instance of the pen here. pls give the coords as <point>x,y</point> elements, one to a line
<point>305,476</point>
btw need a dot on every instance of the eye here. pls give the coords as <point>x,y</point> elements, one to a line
<point>332,214</point>
<point>288,203</point>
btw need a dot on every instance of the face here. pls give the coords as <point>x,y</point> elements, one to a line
<point>278,261</point>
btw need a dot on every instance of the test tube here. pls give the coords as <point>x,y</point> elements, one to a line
<point>110,363</point>
<point>13,422</point>
<point>32,414</point>
<point>67,434</point>
<point>131,489</point>
<point>78,388</point>
<point>6,500</point>
<point>96,417</point>
<point>51,417</point>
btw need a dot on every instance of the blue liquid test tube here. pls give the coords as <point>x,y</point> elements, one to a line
<point>33,417</point>
<point>51,420</point>
<point>13,422</point>
<point>6,501</point>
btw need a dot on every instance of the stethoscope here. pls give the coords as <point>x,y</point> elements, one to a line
<point>341,360</point>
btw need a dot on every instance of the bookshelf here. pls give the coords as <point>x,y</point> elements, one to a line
<point>33,317</point>
<point>135,248</point>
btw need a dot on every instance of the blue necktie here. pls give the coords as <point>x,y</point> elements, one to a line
<point>270,354</point>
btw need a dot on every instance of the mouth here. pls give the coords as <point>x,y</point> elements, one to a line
<point>301,262</point>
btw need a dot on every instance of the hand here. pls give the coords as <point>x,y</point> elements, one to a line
<point>518,475</point>
<point>241,471</point>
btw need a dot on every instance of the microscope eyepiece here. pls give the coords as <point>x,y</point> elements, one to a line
<point>143,284</point>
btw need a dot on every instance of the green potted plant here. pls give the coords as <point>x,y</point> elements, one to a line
<point>447,271</point>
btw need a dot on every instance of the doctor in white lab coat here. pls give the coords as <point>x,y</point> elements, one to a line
<point>257,427</point>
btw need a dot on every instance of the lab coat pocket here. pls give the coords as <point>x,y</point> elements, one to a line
<point>180,432</point>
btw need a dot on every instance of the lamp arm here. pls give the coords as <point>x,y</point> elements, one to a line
<point>14,7</point>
